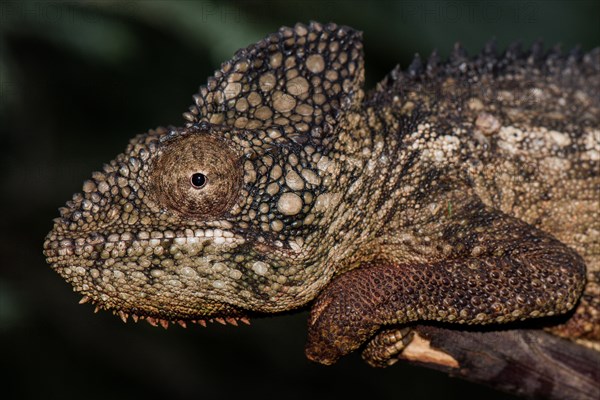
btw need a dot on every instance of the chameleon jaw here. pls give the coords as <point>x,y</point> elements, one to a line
<point>81,263</point>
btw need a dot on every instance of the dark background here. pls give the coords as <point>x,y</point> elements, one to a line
<point>77,80</point>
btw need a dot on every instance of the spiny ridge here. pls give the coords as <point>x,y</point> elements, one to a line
<point>548,60</point>
<point>156,321</point>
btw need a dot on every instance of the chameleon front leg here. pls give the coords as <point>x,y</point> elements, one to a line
<point>500,269</point>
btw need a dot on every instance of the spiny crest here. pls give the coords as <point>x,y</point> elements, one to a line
<point>513,60</point>
<point>297,78</point>
<point>155,321</point>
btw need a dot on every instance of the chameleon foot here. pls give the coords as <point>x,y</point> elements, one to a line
<point>381,351</point>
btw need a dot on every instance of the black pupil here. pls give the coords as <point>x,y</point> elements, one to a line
<point>198,180</point>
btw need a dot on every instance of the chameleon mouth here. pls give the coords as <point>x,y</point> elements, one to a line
<point>63,245</point>
<point>160,289</point>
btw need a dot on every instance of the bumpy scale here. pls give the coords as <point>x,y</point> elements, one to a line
<point>463,192</point>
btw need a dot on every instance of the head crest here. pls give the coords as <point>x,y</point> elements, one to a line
<point>298,78</point>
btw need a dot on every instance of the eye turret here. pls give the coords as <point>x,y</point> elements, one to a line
<point>196,175</point>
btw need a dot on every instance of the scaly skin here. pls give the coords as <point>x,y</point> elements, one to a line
<point>462,192</point>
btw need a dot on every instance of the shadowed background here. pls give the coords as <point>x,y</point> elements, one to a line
<point>78,80</point>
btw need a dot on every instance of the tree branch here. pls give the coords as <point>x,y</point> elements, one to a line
<point>524,362</point>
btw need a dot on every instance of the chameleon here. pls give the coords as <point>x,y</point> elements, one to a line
<point>462,191</point>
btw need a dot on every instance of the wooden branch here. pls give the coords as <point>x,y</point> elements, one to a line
<point>525,362</point>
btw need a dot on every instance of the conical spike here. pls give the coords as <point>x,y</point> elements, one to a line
<point>134,317</point>
<point>245,320</point>
<point>96,309</point>
<point>201,322</point>
<point>537,49</point>
<point>164,323</point>
<point>458,54</point>
<point>221,321</point>
<point>416,66</point>
<point>152,321</point>
<point>231,321</point>
<point>554,56</point>
<point>189,116</point>
<point>575,54</point>
<point>513,51</point>
<point>490,48</point>
<point>123,316</point>
<point>182,323</point>
<point>592,58</point>
<point>432,63</point>
<point>84,300</point>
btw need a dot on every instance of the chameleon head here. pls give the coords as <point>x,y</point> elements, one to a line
<point>226,215</point>
<point>195,223</point>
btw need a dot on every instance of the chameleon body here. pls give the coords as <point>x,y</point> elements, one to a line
<point>463,191</point>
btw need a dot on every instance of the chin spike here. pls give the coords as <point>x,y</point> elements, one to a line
<point>245,320</point>
<point>123,316</point>
<point>221,321</point>
<point>96,309</point>
<point>164,323</point>
<point>182,323</point>
<point>134,317</point>
<point>152,321</point>
<point>84,300</point>
<point>231,321</point>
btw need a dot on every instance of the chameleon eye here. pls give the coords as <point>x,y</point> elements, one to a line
<point>198,180</point>
<point>178,178</point>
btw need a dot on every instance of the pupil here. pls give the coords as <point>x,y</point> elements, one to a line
<point>198,180</point>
